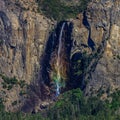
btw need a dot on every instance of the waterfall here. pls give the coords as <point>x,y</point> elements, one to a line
<point>59,62</point>
<point>59,58</point>
<point>53,77</point>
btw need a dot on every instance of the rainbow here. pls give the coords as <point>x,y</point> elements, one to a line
<point>59,64</point>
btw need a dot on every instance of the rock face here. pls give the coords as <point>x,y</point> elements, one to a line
<point>23,34</point>
<point>95,53</point>
<point>107,72</point>
<point>97,33</point>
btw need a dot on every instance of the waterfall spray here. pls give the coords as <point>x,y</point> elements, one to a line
<point>58,63</point>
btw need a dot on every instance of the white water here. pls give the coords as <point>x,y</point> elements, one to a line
<point>59,61</point>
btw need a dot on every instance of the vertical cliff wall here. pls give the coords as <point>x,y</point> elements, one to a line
<point>23,33</point>
<point>94,58</point>
<point>97,43</point>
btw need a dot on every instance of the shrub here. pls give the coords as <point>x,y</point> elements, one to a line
<point>71,105</point>
<point>10,82</point>
<point>22,83</point>
<point>61,11</point>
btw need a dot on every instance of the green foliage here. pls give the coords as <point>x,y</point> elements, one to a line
<point>9,87</point>
<point>22,92</point>
<point>14,103</point>
<point>1,41</point>
<point>1,104</point>
<point>22,83</point>
<point>10,82</point>
<point>17,116</point>
<point>77,68</point>
<point>72,105</point>
<point>118,56</point>
<point>115,104</point>
<point>81,63</point>
<point>60,11</point>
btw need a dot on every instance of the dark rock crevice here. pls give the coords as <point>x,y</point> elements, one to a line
<point>43,89</point>
<point>91,43</point>
<point>7,28</point>
<point>86,63</point>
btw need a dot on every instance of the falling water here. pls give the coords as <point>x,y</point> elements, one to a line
<point>59,62</point>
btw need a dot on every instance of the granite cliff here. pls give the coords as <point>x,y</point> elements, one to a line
<point>95,52</point>
<point>23,34</point>
<point>22,37</point>
<point>97,35</point>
